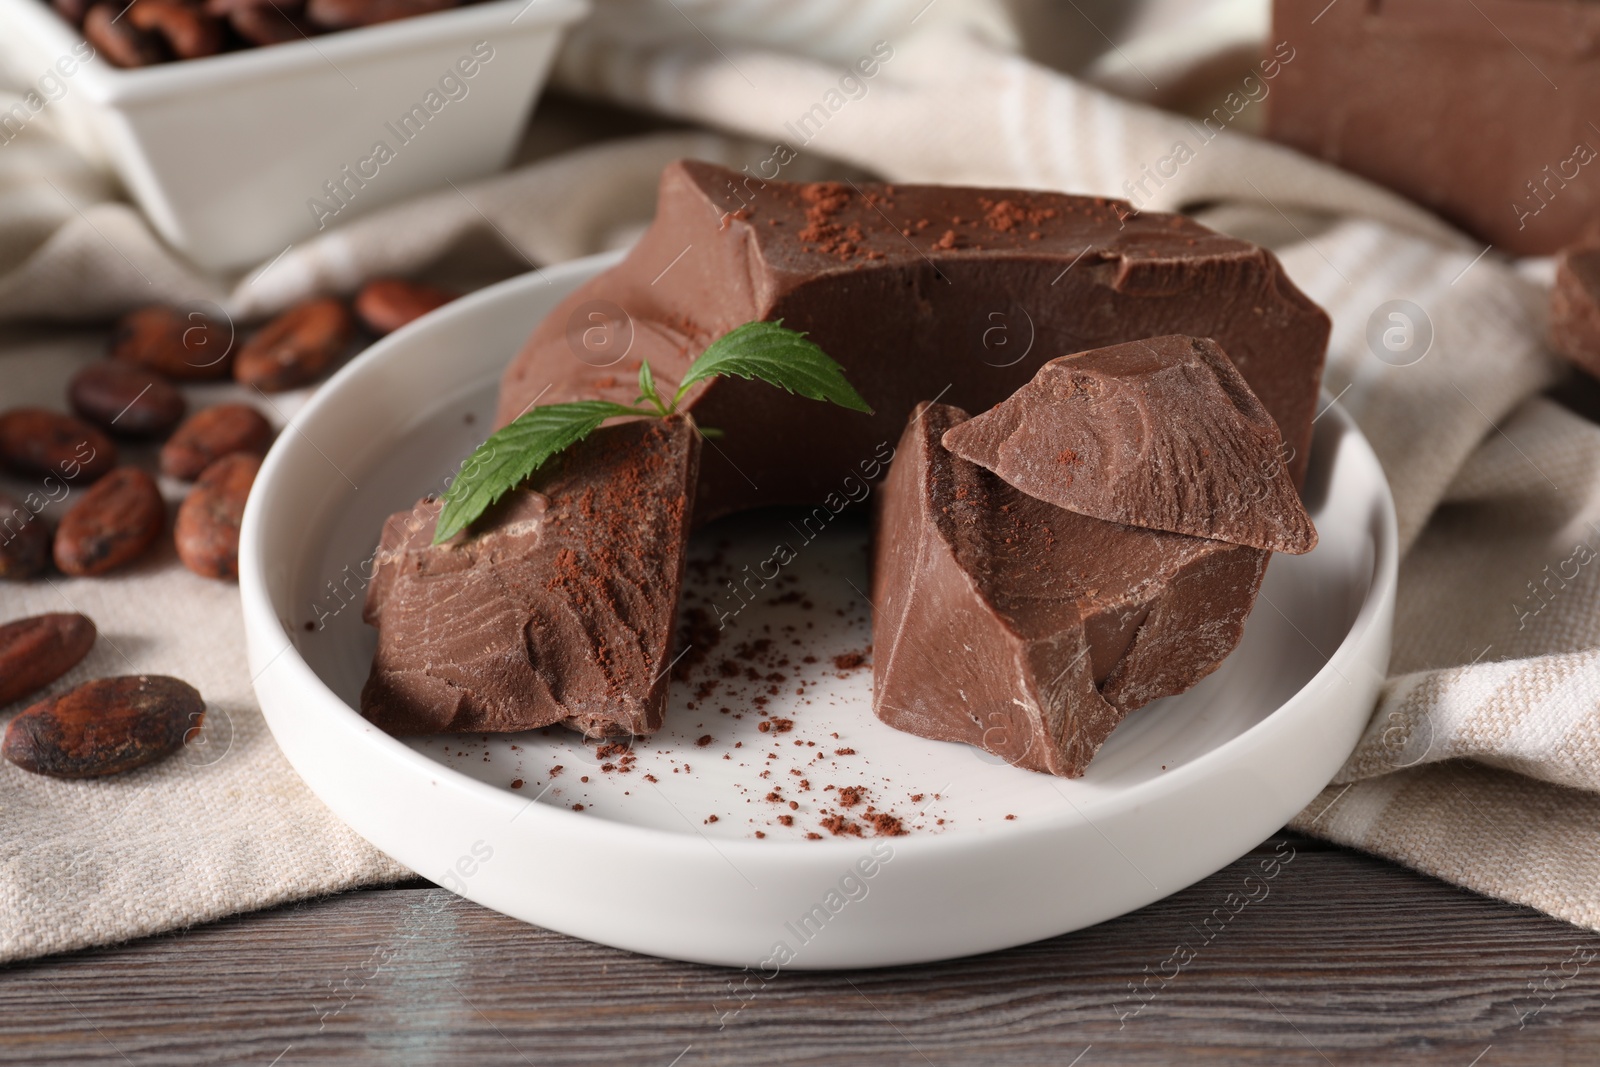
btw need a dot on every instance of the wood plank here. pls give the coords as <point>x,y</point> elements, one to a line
<point>1338,959</point>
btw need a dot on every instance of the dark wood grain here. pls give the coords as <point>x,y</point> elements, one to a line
<point>1340,959</point>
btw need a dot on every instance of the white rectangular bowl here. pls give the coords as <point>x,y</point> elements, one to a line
<point>226,154</point>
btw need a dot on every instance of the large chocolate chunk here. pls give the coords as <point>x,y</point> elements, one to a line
<point>1162,434</point>
<point>1026,629</point>
<point>918,291</point>
<point>1452,104</point>
<point>555,607</point>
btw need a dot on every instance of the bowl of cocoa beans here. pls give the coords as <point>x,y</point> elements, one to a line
<point>244,126</point>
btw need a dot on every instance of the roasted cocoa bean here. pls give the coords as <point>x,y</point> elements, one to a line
<point>297,347</point>
<point>385,304</point>
<point>178,344</point>
<point>207,530</point>
<point>71,10</point>
<point>114,523</point>
<point>126,399</point>
<point>223,8</point>
<point>36,651</point>
<point>120,41</point>
<point>24,541</point>
<point>267,24</point>
<point>344,14</point>
<point>211,433</point>
<point>188,31</point>
<point>105,727</point>
<point>36,443</point>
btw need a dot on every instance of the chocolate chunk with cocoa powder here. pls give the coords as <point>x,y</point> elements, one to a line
<point>1026,629</point>
<point>906,319</point>
<point>570,585</point>
<point>1161,433</point>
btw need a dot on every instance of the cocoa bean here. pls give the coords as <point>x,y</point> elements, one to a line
<point>211,433</point>
<point>114,523</point>
<point>297,347</point>
<point>178,344</point>
<point>126,399</point>
<point>24,541</point>
<point>71,10</point>
<point>207,530</point>
<point>385,304</point>
<point>36,651</point>
<point>120,41</point>
<point>266,24</point>
<point>344,14</point>
<point>188,31</point>
<point>44,444</point>
<point>106,726</point>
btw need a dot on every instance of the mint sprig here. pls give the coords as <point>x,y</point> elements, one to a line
<point>767,352</point>
<point>759,351</point>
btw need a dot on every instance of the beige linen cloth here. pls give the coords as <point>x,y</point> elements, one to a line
<point>1482,762</point>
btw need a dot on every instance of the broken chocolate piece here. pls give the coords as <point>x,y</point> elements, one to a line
<point>555,607</point>
<point>1161,433</point>
<point>862,270</point>
<point>1026,629</point>
<point>1575,307</point>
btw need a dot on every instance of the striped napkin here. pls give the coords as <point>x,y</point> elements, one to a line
<point>1480,764</point>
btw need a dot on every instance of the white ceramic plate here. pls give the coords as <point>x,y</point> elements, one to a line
<point>996,856</point>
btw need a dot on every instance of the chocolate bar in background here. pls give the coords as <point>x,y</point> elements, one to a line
<point>1483,111</point>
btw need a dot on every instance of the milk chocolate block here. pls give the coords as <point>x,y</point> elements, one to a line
<point>1162,434</point>
<point>916,290</point>
<point>1454,105</point>
<point>555,607</point>
<point>1575,307</point>
<point>1026,629</point>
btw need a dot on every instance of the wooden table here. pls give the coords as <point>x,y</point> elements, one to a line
<point>1345,960</point>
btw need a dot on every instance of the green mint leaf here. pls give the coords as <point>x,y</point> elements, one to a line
<point>514,452</point>
<point>765,351</point>
<point>647,387</point>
